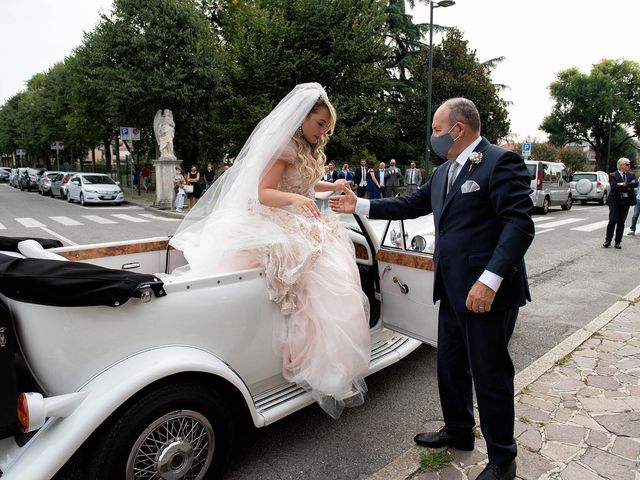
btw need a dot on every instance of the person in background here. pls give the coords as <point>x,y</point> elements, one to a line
<point>332,171</point>
<point>382,172</point>
<point>193,178</point>
<point>393,179</point>
<point>412,178</point>
<point>327,176</point>
<point>134,178</point>
<point>360,178</point>
<point>178,181</point>
<point>622,183</point>
<point>373,184</point>
<point>636,213</point>
<point>209,176</point>
<point>346,174</point>
<point>145,174</point>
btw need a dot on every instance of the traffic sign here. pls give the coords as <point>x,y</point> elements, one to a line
<point>526,149</point>
<point>20,152</point>
<point>57,145</point>
<point>129,133</point>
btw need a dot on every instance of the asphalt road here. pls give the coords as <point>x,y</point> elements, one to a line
<point>573,279</point>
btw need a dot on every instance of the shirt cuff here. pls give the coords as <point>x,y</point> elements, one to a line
<point>362,206</point>
<point>491,280</point>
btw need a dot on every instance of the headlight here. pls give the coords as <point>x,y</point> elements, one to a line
<point>88,190</point>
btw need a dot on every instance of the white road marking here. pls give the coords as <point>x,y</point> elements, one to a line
<point>57,235</point>
<point>2,227</point>
<point>66,221</point>
<point>559,223</point>
<point>157,217</point>
<point>592,226</point>
<point>129,218</point>
<point>100,220</point>
<point>541,219</point>
<point>544,231</point>
<point>30,222</point>
<point>104,207</point>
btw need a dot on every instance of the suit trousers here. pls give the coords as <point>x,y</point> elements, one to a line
<point>473,347</point>
<point>617,216</point>
<point>411,188</point>
<point>361,191</point>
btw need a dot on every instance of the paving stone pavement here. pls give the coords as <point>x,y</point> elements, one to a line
<point>578,420</point>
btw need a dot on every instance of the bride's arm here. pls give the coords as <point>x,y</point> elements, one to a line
<point>269,195</point>
<point>322,186</point>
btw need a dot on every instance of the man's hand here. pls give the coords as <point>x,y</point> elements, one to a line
<point>480,298</point>
<point>344,203</point>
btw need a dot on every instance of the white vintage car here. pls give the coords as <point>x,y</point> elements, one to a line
<point>153,373</point>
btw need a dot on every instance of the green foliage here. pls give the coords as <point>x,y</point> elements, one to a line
<point>573,158</point>
<point>588,106</point>
<point>544,152</point>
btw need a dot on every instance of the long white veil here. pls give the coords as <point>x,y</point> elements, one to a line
<point>219,223</point>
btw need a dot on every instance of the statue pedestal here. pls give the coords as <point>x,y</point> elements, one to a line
<point>165,173</point>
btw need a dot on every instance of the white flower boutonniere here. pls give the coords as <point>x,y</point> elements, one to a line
<point>476,159</point>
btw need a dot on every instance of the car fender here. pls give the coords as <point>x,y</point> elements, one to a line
<point>58,440</point>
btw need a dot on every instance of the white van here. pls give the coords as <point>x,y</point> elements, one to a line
<point>549,185</point>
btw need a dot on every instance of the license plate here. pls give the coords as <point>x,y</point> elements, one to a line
<point>108,198</point>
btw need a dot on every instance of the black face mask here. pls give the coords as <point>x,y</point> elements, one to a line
<point>441,145</point>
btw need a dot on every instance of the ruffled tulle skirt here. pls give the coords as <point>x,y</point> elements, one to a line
<point>324,337</point>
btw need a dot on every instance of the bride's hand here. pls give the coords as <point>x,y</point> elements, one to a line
<point>306,206</point>
<point>339,185</point>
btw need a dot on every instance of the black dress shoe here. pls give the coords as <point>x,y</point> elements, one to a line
<point>618,246</point>
<point>463,441</point>
<point>496,472</point>
<point>606,244</point>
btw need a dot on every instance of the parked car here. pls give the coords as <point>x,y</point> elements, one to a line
<point>590,186</point>
<point>549,185</point>
<point>94,188</point>
<point>30,178</point>
<point>44,183</point>
<point>59,184</point>
<point>5,173</point>
<point>148,356</point>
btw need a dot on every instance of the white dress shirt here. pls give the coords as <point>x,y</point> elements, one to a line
<point>488,278</point>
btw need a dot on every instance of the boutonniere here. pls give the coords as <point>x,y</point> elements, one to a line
<point>476,159</point>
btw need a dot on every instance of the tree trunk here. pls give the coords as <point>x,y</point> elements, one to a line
<point>93,158</point>
<point>107,154</point>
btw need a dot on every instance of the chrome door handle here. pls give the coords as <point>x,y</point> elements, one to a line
<point>404,288</point>
<point>384,272</point>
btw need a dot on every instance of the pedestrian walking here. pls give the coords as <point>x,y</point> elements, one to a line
<point>636,213</point>
<point>145,174</point>
<point>412,179</point>
<point>482,214</point>
<point>393,179</point>
<point>622,196</point>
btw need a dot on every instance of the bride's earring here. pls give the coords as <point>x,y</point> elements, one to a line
<point>299,132</point>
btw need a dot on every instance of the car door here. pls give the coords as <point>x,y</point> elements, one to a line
<point>73,187</point>
<point>405,268</point>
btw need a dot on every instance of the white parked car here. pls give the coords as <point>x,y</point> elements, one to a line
<point>549,186</point>
<point>93,188</point>
<point>153,372</point>
<point>590,186</point>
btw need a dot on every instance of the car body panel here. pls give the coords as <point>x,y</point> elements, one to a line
<point>548,180</point>
<point>597,190</point>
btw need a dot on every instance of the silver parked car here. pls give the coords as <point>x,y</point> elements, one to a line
<point>590,186</point>
<point>44,183</point>
<point>549,186</point>
<point>5,173</point>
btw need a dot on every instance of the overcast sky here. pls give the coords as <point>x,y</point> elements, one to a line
<point>538,38</point>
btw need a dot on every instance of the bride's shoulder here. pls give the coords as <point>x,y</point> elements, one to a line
<point>289,153</point>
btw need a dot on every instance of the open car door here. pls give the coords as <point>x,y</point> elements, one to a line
<point>405,268</point>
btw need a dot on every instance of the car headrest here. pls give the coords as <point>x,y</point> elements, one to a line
<point>32,249</point>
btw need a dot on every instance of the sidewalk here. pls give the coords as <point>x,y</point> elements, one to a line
<point>577,410</point>
<point>146,201</point>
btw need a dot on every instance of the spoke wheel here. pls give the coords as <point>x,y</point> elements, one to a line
<point>177,445</point>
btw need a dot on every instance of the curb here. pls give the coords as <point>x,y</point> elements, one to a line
<point>408,462</point>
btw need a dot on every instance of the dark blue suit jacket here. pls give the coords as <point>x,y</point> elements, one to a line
<point>487,229</point>
<point>617,197</point>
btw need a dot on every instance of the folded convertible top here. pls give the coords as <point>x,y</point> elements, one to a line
<point>10,244</point>
<point>71,284</point>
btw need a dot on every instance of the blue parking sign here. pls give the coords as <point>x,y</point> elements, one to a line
<point>526,149</point>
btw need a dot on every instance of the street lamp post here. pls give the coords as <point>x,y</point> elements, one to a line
<point>609,140</point>
<point>427,155</point>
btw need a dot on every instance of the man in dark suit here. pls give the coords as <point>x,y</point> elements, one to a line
<point>392,179</point>
<point>619,200</point>
<point>360,178</point>
<point>482,216</point>
<point>382,176</point>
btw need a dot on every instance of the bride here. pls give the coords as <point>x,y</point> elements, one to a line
<point>262,213</point>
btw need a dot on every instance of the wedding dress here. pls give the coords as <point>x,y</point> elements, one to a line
<point>309,263</point>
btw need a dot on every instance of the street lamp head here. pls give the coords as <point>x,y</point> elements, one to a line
<point>444,3</point>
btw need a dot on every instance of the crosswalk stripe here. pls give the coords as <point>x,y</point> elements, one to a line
<point>559,223</point>
<point>544,231</point>
<point>100,220</point>
<point>591,226</point>
<point>66,221</point>
<point>129,218</point>
<point>541,219</point>
<point>2,227</point>
<point>156,217</point>
<point>30,222</point>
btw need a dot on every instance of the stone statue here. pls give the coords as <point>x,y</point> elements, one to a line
<point>164,128</point>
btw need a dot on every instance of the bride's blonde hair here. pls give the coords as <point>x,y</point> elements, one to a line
<point>311,158</point>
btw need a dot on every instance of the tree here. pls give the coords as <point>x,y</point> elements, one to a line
<point>588,107</point>
<point>573,159</point>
